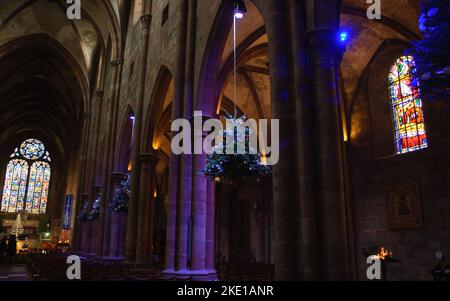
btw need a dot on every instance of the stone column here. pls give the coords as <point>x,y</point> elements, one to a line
<point>210,227</point>
<point>146,208</point>
<point>202,215</point>
<point>97,129</point>
<point>132,230</point>
<point>116,218</point>
<point>116,67</point>
<point>330,161</point>
<point>286,213</point>
<point>198,213</point>
<point>92,233</point>
<point>258,233</point>
<point>309,244</point>
<point>77,227</point>
<point>177,223</point>
<point>84,226</point>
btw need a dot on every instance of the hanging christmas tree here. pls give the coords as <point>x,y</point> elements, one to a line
<point>222,165</point>
<point>432,53</point>
<point>122,196</point>
<point>228,162</point>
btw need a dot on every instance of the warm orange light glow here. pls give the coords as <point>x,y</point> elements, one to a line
<point>155,195</point>
<point>156,144</point>
<point>263,159</point>
<point>130,166</point>
<point>384,253</point>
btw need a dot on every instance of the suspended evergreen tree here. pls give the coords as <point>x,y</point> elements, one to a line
<point>222,165</point>
<point>432,53</point>
<point>235,166</point>
<point>122,196</point>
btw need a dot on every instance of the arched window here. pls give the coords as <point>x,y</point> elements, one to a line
<point>409,124</point>
<point>27,179</point>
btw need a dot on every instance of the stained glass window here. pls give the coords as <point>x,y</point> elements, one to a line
<point>26,188</point>
<point>409,123</point>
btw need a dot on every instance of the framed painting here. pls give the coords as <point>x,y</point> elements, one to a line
<point>404,207</point>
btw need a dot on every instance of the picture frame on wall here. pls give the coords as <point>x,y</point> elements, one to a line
<point>404,207</point>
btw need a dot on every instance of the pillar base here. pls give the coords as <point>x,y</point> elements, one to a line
<point>204,275</point>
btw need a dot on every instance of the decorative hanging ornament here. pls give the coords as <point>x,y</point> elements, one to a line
<point>238,165</point>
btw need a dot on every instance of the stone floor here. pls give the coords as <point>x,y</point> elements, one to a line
<point>14,273</point>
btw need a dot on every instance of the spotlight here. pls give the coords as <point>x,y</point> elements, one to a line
<point>343,36</point>
<point>239,9</point>
<point>132,118</point>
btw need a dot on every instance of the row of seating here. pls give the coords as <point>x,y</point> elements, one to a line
<point>54,268</point>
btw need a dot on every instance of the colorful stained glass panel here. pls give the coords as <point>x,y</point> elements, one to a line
<point>32,149</point>
<point>27,188</point>
<point>409,123</point>
<point>15,186</point>
<point>38,187</point>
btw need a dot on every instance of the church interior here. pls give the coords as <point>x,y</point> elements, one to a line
<point>86,161</point>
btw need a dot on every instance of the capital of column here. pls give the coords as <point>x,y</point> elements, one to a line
<point>146,20</point>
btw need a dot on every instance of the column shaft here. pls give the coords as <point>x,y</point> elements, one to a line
<point>330,162</point>
<point>146,206</point>
<point>138,129</point>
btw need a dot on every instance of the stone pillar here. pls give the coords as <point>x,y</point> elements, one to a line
<point>285,243</point>
<point>334,260</point>
<point>97,129</point>
<point>77,228</point>
<point>198,213</point>
<point>202,215</point>
<point>84,227</point>
<point>258,231</point>
<point>116,218</point>
<point>177,224</point>
<point>92,233</point>
<point>132,230</point>
<point>309,244</point>
<point>210,227</point>
<point>116,69</point>
<point>146,208</point>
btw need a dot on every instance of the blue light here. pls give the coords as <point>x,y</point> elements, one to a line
<point>343,36</point>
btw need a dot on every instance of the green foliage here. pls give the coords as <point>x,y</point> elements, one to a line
<point>432,53</point>
<point>122,196</point>
<point>235,167</point>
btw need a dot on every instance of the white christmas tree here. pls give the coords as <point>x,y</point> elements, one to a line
<point>17,227</point>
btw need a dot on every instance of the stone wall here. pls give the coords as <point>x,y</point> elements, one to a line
<point>374,170</point>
